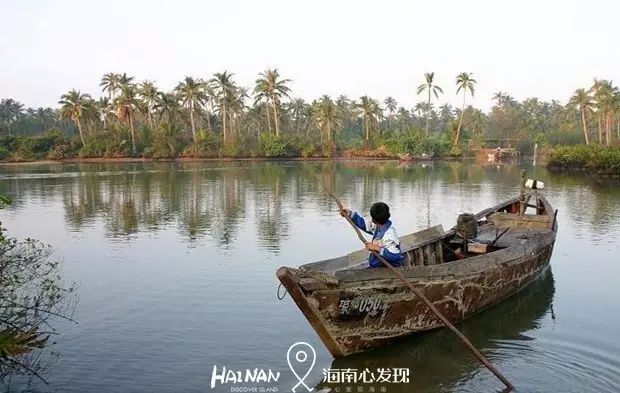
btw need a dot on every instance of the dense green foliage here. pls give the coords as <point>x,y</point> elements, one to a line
<point>216,118</point>
<point>598,158</point>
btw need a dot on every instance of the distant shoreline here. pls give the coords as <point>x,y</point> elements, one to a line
<point>125,160</point>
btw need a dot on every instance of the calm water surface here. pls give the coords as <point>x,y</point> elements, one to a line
<point>176,263</point>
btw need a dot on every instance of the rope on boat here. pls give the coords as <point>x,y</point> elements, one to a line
<point>278,292</point>
<point>428,303</point>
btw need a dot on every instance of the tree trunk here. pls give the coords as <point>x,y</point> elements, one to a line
<point>209,122</point>
<point>191,120</point>
<point>608,130</point>
<point>133,136</point>
<point>275,118</point>
<point>428,110</point>
<point>367,131</point>
<point>268,118</point>
<point>79,124</point>
<point>329,132</point>
<point>224,123</point>
<point>585,125</point>
<point>600,127</point>
<point>150,116</point>
<point>458,128</point>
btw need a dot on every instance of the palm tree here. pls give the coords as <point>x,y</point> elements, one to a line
<point>111,82</point>
<point>150,96</point>
<point>269,86</point>
<point>370,112</point>
<point>103,106</point>
<point>167,105</point>
<point>326,115</point>
<point>10,110</point>
<point>465,82</point>
<point>476,123</point>
<point>126,105</point>
<point>430,88</point>
<point>74,107</point>
<point>298,110</point>
<point>582,100</point>
<point>390,105</point>
<point>191,92</point>
<point>225,89</point>
<point>595,89</point>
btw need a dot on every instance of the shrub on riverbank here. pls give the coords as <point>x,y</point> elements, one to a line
<point>594,157</point>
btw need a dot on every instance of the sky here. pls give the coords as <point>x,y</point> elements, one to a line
<point>382,48</point>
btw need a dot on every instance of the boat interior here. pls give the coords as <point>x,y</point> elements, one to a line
<point>505,225</point>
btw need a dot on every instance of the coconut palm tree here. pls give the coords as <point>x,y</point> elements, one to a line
<point>225,89</point>
<point>167,107</point>
<point>582,100</point>
<point>595,89</point>
<point>191,93</point>
<point>127,104</point>
<point>103,107</point>
<point>476,123</point>
<point>429,87</point>
<point>390,105</point>
<point>370,112</point>
<point>10,110</point>
<point>298,110</point>
<point>465,82</point>
<point>111,83</point>
<point>74,107</point>
<point>150,96</point>
<point>327,116</point>
<point>270,87</point>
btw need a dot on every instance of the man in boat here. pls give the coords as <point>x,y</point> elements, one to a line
<point>384,238</point>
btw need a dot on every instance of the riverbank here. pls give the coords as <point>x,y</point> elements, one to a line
<point>125,160</point>
<point>593,160</point>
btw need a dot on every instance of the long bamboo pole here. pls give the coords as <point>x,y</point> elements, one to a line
<point>428,303</point>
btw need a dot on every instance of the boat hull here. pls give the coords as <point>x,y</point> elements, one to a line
<point>368,308</point>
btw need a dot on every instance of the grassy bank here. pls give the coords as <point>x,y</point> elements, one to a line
<point>603,161</point>
<point>164,145</point>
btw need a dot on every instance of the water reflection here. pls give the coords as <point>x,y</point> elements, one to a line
<point>439,359</point>
<point>214,201</point>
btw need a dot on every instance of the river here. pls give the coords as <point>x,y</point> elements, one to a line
<point>175,266</point>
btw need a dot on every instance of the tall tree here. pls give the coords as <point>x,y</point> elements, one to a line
<point>370,112</point>
<point>149,96</point>
<point>127,104</point>
<point>270,86</point>
<point>10,111</point>
<point>74,107</point>
<point>103,107</point>
<point>327,116</point>
<point>225,89</point>
<point>596,90</point>
<point>464,82</point>
<point>390,105</point>
<point>582,100</point>
<point>111,83</point>
<point>429,87</point>
<point>191,92</point>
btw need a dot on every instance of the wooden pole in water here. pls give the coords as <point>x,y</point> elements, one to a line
<point>522,195</point>
<point>428,303</point>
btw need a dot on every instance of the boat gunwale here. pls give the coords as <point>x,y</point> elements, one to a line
<point>455,269</point>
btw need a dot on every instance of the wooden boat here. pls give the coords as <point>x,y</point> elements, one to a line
<point>353,308</point>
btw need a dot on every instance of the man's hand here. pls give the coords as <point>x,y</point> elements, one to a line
<point>370,246</point>
<point>344,212</point>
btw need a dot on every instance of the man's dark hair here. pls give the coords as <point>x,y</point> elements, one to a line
<point>380,212</point>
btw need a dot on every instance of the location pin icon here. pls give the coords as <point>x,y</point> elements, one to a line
<point>299,361</point>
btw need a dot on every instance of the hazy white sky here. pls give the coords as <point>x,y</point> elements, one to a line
<point>379,48</point>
